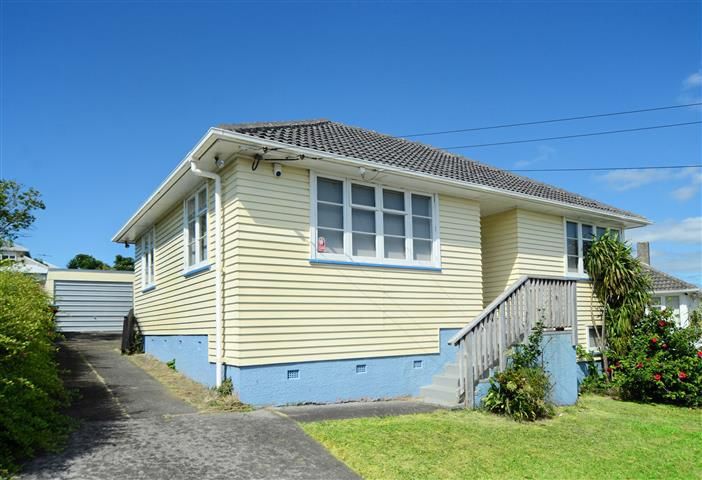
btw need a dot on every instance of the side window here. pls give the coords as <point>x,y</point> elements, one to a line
<point>579,238</point>
<point>572,248</point>
<point>593,338</point>
<point>148,249</point>
<point>195,231</point>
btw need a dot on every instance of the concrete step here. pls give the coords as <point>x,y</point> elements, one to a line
<point>441,403</point>
<point>440,395</point>
<point>451,369</point>
<point>445,380</point>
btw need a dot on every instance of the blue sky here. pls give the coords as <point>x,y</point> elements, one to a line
<point>101,100</point>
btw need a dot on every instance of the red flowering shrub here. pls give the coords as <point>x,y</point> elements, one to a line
<point>663,364</point>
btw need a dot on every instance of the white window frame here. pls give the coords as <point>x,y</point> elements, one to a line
<point>379,259</point>
<point>581,273</point>
<point>148,259</point>
<point>592,335</point>
<point>199,262</point>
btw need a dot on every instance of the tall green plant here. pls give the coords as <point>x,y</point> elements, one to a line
<point>623,289</point>
<point>31,392</point>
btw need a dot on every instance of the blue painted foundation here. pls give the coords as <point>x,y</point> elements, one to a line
<point>583,369</point>
<point>561,365</point>
<point>356,379</point>
<point>480,391</point>
<point>189,352</point>
<point>308,382</point>
<point>559,361</point>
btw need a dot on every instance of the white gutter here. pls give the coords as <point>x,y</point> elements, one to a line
<point>214,133</point>
<point>684,290</point>
<point>218,265</point>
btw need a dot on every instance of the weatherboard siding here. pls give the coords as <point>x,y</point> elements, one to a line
<point>178,305</point>
<point>281,308</point>
<point>540,243</point>
<point>499,246</point>
<point>521,242</point>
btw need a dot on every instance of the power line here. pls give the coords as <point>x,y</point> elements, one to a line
<point>562,137</point>
<point>553,120</point>
<point>599,169</point>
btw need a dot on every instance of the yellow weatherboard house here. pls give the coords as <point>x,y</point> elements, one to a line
<point>312,261</point>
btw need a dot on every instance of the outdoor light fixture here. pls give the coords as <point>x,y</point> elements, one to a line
<point>218,161</point>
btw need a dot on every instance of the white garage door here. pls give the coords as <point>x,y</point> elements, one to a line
<point>85,306</point>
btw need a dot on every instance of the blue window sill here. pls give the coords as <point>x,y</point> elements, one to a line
<point>148,288</point>
<point>376,265</point>
<point>195,270</point>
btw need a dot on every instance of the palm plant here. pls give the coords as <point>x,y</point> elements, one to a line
<point>622,288</point>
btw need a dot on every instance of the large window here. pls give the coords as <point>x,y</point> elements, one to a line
<point>148,270</point>
<point>195,231</point>
<point>579,239</point>
<point>365,223</point>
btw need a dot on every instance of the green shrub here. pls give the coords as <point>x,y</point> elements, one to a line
<point>521,391</point>
<point>663,364</point>
<point>31,392</point>
<point>226,388</point>
<point>595,381</point>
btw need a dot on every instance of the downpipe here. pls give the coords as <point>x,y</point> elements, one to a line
<point>218,265</point>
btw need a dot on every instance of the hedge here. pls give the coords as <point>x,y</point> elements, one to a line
<point>31,392</point>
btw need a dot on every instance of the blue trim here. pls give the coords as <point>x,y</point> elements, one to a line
<point>379,265</point>
<point>196,270</point>
<point>148,289</point>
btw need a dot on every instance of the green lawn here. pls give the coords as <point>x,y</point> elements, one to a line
<point>598,438</point>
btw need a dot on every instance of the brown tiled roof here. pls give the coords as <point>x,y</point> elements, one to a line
<point>339,139</point>
<point>663,282</point>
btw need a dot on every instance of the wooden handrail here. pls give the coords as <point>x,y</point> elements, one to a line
<point>501,298</point>
<point>507,321</point>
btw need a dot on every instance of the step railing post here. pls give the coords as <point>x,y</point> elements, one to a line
<point>470,371</point>
<point>461,368</point>
<point>501,337</point>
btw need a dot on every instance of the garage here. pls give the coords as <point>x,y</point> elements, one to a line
<point>90,301</point>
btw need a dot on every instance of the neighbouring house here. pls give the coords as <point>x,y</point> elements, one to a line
<point>314,261</point>
<point>22,261</point>
<point>670,292</point>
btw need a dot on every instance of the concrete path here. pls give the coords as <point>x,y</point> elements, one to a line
<point>338,411</point>
<point>132,428</point>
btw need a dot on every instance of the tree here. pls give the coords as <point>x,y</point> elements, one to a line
<point>622,288</point>
<point>123,263</point>
<point>17,206</point>
<point>87,262</point>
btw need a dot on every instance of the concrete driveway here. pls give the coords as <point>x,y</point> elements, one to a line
<point>132,428</point>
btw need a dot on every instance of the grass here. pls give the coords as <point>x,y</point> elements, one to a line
<point>598,438</point>
<point>190,391</point>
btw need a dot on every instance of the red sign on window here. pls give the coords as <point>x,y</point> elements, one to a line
<point>321,244</point>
